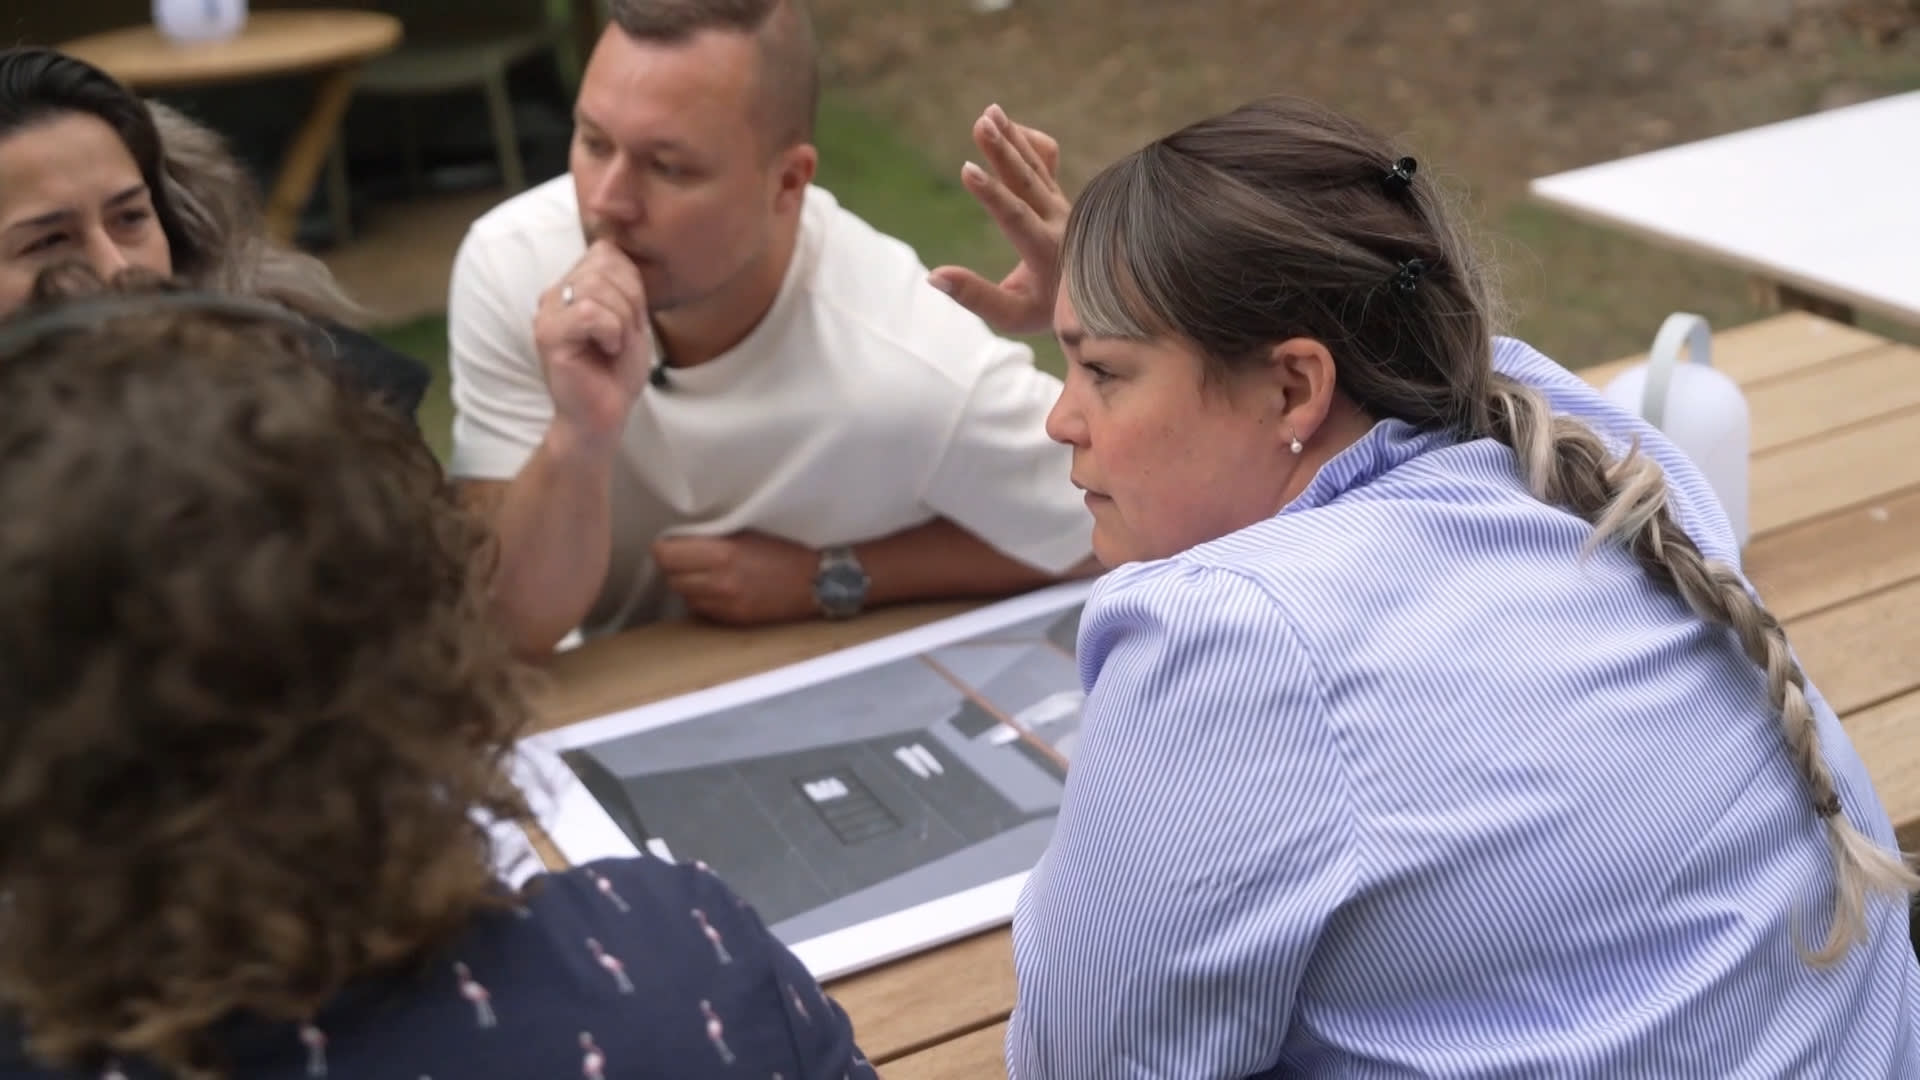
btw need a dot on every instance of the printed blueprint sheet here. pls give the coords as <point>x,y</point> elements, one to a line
<point>870,803</point>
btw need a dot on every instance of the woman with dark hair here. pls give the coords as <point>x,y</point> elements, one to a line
<point>256,735</point>
<point>1431,728</point>
<point>90,173</point>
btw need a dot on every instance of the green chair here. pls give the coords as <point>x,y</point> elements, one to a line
<point>453,66</point>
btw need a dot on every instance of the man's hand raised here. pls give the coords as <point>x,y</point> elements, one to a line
<point>592,332</point>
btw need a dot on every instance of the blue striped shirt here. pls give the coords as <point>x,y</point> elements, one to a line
<point>1392,785</point>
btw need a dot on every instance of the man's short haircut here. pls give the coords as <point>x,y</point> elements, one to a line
<point>789,57</point>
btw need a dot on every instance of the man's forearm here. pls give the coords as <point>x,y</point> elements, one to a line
<point>942,561</point>
<point>554,524</point>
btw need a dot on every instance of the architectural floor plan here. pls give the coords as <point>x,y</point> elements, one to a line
<point>894,776</point>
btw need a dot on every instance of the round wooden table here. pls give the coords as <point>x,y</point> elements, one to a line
<point>330,44</point>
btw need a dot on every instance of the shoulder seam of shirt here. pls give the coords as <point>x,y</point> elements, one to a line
<point>1240,581</point>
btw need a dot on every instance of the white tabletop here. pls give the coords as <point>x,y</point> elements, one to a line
<point>1828,203</point>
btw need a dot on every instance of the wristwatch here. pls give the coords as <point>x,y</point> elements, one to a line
<point>840,585</point>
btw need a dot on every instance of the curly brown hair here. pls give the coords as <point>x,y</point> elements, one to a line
<point>256,719</point>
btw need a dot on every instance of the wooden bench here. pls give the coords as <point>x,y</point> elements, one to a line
<point>1835,552</point>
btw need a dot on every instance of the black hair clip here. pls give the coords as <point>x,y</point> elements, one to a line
<point>1399,176</point>
<point>1408,276</point>
<point>1828,807</point>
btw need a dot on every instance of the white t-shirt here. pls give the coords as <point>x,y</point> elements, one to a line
<point>865,402</point>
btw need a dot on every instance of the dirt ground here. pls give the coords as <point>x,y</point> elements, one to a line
<point>1488,93</point>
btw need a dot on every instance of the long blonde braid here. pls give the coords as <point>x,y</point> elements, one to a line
<point>1566,464</point>
<point>1333,238</point>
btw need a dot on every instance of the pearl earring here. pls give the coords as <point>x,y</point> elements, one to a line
<point>1296,445</point>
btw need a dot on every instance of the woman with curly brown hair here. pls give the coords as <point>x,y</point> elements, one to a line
<point>255,732</point>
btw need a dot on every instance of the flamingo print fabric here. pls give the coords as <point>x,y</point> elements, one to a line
<point>631,969</point>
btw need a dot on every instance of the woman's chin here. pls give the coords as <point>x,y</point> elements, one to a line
<point>1109,551</point>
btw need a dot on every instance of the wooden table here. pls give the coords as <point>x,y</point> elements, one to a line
<point>1820,209</point>
<point>1835,553</point>
<point>330,44</point>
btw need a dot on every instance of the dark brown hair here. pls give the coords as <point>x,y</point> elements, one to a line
<point>207,204</point>
<point>39,85</point>
<point>1280,219</point>
<point>789,55</point>
<point>256,720</point>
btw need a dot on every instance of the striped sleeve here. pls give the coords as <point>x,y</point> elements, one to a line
<point>1203,840</point>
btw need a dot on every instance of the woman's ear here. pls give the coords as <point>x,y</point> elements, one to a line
<point>1302,382</point>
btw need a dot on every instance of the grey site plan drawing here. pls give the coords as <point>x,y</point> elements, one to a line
<point>865,794</point>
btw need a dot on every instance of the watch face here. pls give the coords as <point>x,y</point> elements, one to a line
<point>841,588</point>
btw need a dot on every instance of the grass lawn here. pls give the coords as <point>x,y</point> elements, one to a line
<point>874,174</point>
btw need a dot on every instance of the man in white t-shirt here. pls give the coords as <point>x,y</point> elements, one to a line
<point>686,377</point>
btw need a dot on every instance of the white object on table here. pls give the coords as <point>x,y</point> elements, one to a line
<point>1696,405</point>
<point>191,21</point>
<point>1825,204</point>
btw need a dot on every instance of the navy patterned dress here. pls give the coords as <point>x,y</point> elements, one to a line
<point>630,969</point>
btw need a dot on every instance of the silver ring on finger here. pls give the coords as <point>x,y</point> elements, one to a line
<point>566,295</point>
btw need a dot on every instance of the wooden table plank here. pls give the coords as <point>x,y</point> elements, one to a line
<point>930,997</point>
<point>977,1055</point>
<point>1834,559</point>
<point>1849,468</point>
<point>1887,738</point>
<point>1767,349</point>
<point>1863,652</point>
<point>1819,400</point>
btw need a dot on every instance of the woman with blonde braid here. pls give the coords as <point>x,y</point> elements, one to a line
<point>1431,728</point>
